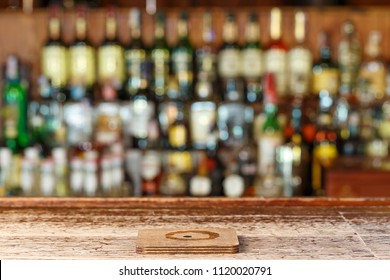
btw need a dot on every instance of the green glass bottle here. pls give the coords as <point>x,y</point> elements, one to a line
<point>160,57</point>
<point>15,127</point>
<point>136,56</point>
<point>182,59</point>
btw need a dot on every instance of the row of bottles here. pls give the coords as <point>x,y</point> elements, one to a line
<point>232,67</point>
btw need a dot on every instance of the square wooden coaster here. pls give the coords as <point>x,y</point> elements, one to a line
<point>187,241</point>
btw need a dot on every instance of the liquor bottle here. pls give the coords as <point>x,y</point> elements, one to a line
<point>373,70</point>
<point>14,108</point>
<point>60,161</point>
<point>105,175</point>
<point>132,159</point>
<point>229,60</point>
<point>350,143</point>
<point>5,169</point>
<point>247,160</point>
<point>78,117</point>
<point>144,128</point>
<point>137,60</point>
<point>349,58</point>
<point>270,184</point>
<point>32,162</point>
<point>107,123</point>
<point>206,56</point>
<point>178,131</point>
<point>160,58</point>
<point>91,180</point>
<point>111,55</point>
<point>183,59</point>
<point>275,59</point>
<point>82,56</point>
<point>151,173</point>
<point>203,114</point>
<point>300,60</point>
<point>76,176</point>
<point>325,151</point>
<point>293,158</point>
<point>252,60</point>
<point>54,58</point>
<point>233,184</point>
<point>200,184</point>
<point>271,133</point>
<point>325,76</point>
<point>47,178</point>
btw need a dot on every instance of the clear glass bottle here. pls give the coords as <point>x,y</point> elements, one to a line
<point>47,178</point>
<point>300,60</point>
<point>233,184</point>
<point>151,173</point>
<point>349,58</point>
<point>373,69</point>
<point>60,159</point>
<point>275,59</point>
<point>270,184</point>
<point>201,184</point>
<point>5,169</point>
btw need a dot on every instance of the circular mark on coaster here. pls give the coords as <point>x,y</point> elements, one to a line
<point>192,235</point>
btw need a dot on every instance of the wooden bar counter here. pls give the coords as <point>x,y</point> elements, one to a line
<point>106,228</point>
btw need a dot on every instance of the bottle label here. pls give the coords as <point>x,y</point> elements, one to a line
<point>91,184</point>
<point>229,63</point>
<point>252,63</point>
<point>233,186</point>
<point>202,123</point>
<point>78,118</point>
<point>200,186</point>
<point>142,113</point>
<point>181,161</point>
<point>111,65</point>
<point>376,80</point>
<point>82,65</point>
<point>54,65</point>
<point>136,66</point>
<point>300,67</point>
<point>47,184</point>
<point>327,79</point>
<point>108,124</point>
<point>11,117</point>
<point>182,66</point>
<point>160,59</point>
<point>177,135</point>
<point>206,63</point>
<point>76,181</point>
<point>267,150</point>
<point>276,62</point>
<point>325,153</point>
<point>150,165</point>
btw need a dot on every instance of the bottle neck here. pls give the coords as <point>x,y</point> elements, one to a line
<point>252,33</point>
<point>207,33</point>
<point>81,28</point>
<point>111,28</point>
<point>230,32</point>
<point>54,28</point>
<point>299,30</point>
<point>276,24</point>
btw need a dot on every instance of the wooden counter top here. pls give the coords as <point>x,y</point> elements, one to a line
<point>101,228</point>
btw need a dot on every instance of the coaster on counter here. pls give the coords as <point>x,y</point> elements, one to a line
<point>187,241</point>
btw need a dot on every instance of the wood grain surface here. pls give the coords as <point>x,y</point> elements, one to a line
<point>102,228</point>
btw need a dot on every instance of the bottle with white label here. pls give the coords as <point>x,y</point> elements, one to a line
<point>229,61</point>
<point>275,59</point>
<point>54,59</point>
<point>76,176</point>
<point>5,169</point>
<point>91,180</point>
<point>300,60</point>
<point>252,60</point>
<point>111,63</point>
<point>200,184</point>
